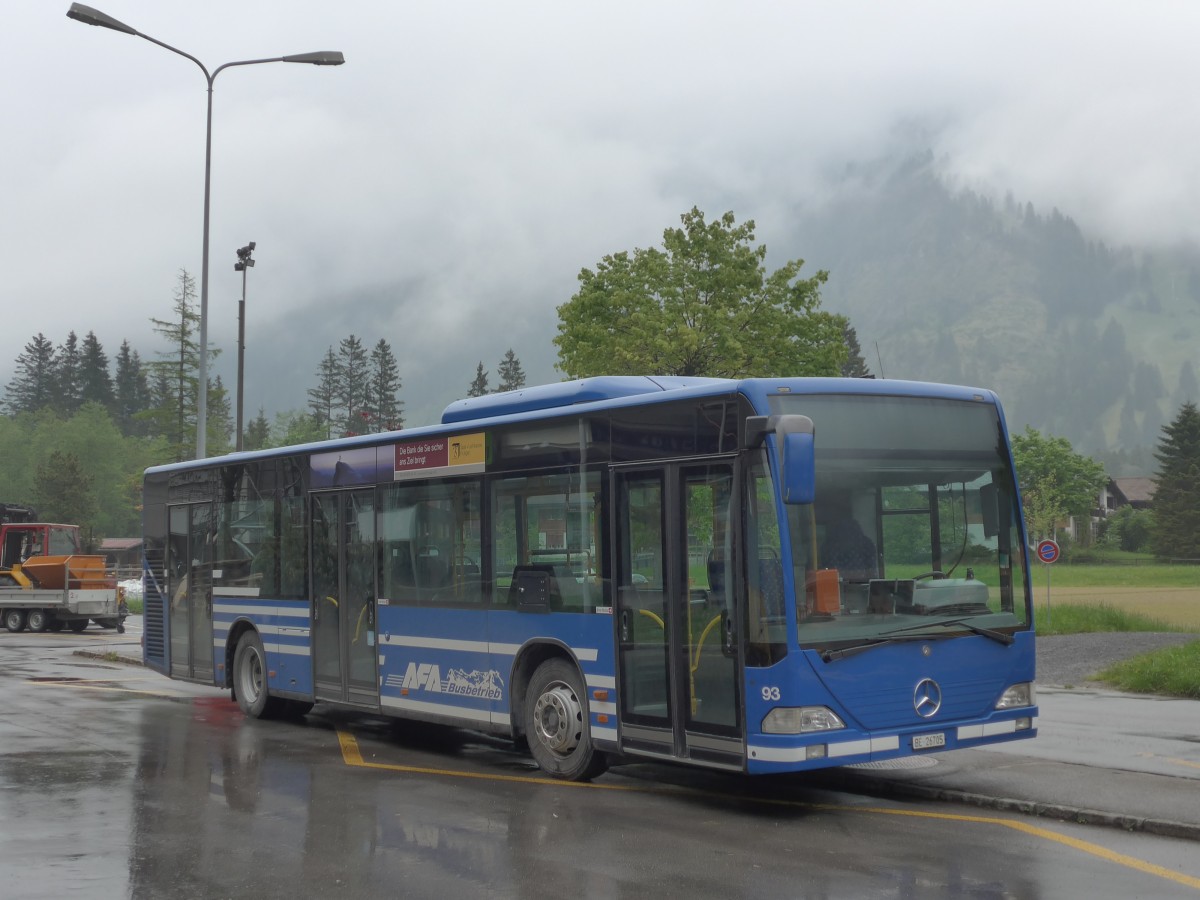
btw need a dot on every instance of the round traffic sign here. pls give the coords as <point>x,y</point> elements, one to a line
<point>1047,551</point>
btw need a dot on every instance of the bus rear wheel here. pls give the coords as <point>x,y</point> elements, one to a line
<point>250,680</point>
<point>556,723</point>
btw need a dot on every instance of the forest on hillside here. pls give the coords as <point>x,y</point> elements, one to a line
<point>79,429</point>
<point>1080,339</point>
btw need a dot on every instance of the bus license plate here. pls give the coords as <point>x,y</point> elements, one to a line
<point>928,741</point>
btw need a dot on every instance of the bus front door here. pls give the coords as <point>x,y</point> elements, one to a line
<point>343,614</point>
<point>189,585</point>
<point>679,657</point>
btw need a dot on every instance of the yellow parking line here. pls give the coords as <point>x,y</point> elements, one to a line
<point>101,686</point>
<point>352,756</point>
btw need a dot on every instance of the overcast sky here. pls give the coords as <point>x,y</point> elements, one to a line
<point>444,187</point>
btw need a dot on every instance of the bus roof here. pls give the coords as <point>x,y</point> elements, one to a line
<point>607,392</point>
<point>570,393</point>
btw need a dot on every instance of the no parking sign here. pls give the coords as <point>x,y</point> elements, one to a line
<point>1047,551</point>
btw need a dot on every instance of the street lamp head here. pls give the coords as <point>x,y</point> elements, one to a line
<point>320,58</point>
<point>91,16</point>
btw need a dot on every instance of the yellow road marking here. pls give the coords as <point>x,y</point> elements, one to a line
<point>1179,762</point>
<point>352,756</point>
<point>101,686</point>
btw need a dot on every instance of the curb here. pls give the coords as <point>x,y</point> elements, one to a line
<point>1078,815</point>
<point>110,656</point>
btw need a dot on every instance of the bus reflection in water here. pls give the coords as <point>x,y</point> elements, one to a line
<point>765,575</point>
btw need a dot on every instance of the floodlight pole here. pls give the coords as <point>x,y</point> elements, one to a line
<point>245,261</point>
<point>90,16</point>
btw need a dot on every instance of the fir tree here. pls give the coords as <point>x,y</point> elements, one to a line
<point>219,419</point>
<point>352,379</point>
<point>383,385</point>
<point>258,432</point>
<point>479,386</point>
<point>95,383</point>
<point>67,376</point>
<point>512,376</point>
<point>33,385</point>
<point>322,400</point>
<point>854,366</point>
<point>1177,494</point>
<point>131,392</point>
<point>174,414</point>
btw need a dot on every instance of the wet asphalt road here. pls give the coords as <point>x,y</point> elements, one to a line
<point>117,782</point>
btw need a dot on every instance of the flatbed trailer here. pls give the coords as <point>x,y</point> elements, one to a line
<point>66,591</point>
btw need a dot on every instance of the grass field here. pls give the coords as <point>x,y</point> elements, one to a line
<point>1176,607</point>
<point>1128,598</point>
<point>1166,593</point>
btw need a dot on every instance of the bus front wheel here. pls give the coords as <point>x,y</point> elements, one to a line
<point>250,679</point>
<point>556,723</point>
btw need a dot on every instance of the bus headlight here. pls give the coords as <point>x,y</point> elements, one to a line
<point>1016,696</point>
<point>801,720</point>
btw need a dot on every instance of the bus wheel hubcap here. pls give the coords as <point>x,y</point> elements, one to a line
<point>557,717</point>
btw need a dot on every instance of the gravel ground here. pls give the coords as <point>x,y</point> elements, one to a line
<point>1073,659</point>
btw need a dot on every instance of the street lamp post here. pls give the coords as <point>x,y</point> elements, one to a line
<point>245,261</point>
<point>91,16</point>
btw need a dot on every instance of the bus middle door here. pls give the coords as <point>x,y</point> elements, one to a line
<point>343,583</point>
<point>678,654</point>
<point>189,584</point>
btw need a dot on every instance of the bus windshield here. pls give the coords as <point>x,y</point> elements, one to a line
<point>915,526</point>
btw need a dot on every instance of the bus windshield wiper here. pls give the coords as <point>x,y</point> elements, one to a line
<point>855,649</point>
<point>999,637</point>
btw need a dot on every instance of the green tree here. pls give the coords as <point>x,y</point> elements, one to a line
<point>479,386</point>
<point>33,385</point>
<point>131,392</point>
<point>176,373</point>
<point>1055,481</point>
<point>220,419</point>
<point>854,366</point>
<point>298,427</point>
<point>383,383</point>
<point>67,375</point>
<point>112,462</point>
<point>322,400</point>
<point>95,383</point>
<point>1177,493</point>
<point>258,432</point>
<point>1130,529</point>
<point>352,385</point>
<point>512,376</point>
<point>703,305</point>
<point>62,491</point>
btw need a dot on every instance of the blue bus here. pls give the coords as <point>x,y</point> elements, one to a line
<point>763,576</point>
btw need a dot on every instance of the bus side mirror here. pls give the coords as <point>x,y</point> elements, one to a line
<point>797,444</point>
